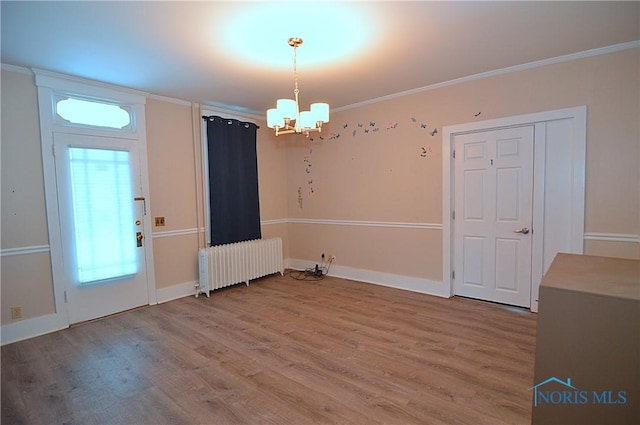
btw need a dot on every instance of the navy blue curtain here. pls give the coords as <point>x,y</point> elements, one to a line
<point>233,180</point>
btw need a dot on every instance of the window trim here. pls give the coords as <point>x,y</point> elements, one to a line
<point>61,85</point>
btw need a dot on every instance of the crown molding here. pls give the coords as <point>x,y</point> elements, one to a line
<point>530,65</point>
<point>169,99</point>
<point>257,115</point>
<point>16,69</point>
<point>250,116</point>
<point>48,77</point>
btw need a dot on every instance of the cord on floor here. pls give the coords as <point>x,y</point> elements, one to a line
<point>312,273</point>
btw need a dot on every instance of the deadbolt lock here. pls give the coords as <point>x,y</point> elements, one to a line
<point>139,238</point>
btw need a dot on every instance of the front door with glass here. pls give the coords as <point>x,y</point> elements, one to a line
<point>101,224</point>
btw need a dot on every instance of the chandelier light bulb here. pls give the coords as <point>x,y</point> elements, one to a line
<point>288,108</point>
<point>274,118</point>
<point>320,111</point>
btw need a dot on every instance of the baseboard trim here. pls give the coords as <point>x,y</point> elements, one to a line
<point>174,292</point>
<point>37,326</point>
<point>31,328</point>
<point>407,283</point>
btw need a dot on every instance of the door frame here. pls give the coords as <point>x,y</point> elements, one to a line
<point>49,85</point>
<point>559,155</point>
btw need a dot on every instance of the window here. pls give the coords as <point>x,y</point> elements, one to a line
<point>93,113</point>
<point>103,217</point>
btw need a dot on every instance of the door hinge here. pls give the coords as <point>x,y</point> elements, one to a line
<point>65,297</point>
<point>454,153</point>
<point>453,215</point>
<point>453,274</point>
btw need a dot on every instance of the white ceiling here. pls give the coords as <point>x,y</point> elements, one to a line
<point>235,54</point>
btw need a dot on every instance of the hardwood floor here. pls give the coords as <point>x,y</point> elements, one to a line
<point>281,351</point>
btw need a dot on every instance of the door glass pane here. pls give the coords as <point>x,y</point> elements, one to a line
<point>103,216</point>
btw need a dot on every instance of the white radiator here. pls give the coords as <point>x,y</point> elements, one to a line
<point>226,265</point>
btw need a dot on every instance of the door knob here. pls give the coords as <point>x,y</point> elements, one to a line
<point>524,231</point>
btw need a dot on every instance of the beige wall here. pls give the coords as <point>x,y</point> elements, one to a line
<point>25,278</point>
<point>172,186</point>
<point>170,153</point>
<point>272,178</point>
<point>379,180</point>
<point>23,223</point>
<point>382,176</point>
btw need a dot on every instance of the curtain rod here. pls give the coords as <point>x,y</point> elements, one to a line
<point>230,120</point>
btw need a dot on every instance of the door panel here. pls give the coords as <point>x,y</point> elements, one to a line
<point>494,190</point>
<point>506,264</point>
<point>102,227</point>
<point>474,194</point>
<point>507,194</point>
<point>473,260</point>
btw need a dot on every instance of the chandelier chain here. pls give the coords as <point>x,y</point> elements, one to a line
<point>295,69</point>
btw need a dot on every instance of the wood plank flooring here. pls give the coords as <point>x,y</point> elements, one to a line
<point>281,351</point>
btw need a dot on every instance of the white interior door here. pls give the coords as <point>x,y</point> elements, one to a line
<point>494,214</point>
<point>101,224</point>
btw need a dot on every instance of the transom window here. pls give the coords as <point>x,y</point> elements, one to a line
<point>93,113</point>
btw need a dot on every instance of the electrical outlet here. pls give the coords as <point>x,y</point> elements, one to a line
<point>159,221</point>
<point>16,312</point>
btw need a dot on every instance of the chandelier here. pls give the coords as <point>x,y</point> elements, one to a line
<point>286,117</point>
